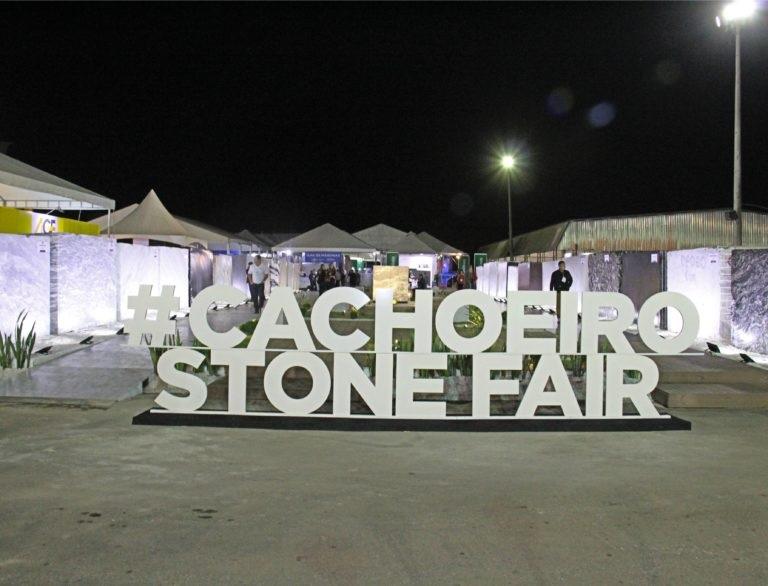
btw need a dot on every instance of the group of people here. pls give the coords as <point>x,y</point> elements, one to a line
<point>327,278</point>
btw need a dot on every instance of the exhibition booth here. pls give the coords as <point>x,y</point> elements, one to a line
<point>56,269</point>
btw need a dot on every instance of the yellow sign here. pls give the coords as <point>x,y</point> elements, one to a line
<point>15,221</point>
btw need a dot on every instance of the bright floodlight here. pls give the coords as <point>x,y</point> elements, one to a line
<point>507,161</point>
<point>739,10</point>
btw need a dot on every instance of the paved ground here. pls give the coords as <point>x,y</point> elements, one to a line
<point>87,498</point>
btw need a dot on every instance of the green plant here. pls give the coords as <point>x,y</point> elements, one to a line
<point>248,327</point>
<point>353,313</point>
<point>16,350</point>
<point>6,353</point>
<point>306,309</point>
<point>156,352</point>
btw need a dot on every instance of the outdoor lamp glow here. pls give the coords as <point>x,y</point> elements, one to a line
<point>737,11</point>
<point>507,161</point>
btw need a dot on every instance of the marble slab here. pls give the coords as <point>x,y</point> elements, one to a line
<point>222,269</point>
<point>25,281</point>
<point>86,286</point>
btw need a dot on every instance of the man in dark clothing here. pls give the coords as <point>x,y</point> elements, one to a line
<point>561,280</point>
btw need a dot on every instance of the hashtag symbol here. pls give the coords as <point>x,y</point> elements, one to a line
<point>157,328</point>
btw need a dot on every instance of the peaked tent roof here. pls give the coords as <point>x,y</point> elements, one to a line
<point>273,238</point>
<point>325,238</point>
<point>149,218</point>
<point>438,245</point>
<point>411,244</point>
<point>381,236</point>
<point>116,216</point>
<point>250,237</point>
<point>25,186</point>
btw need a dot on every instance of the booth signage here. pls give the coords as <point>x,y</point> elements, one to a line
<point>480,259</point>
<point>319,257</point>
<point>393,259</point>
<point>404,374</point>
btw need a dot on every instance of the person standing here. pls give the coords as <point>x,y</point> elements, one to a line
<point>561,280</point>
<point>257,273</point>
<point>461,280</point>
<point>322,279</point>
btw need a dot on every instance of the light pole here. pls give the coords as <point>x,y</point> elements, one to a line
<point>508,163</point>
<point>735,14</point>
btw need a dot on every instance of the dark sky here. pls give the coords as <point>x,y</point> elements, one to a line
<point>281,117</point>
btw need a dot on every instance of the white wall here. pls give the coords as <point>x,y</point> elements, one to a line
<point>25,281</point>
<point>696,274</point>
<point>151,265</point>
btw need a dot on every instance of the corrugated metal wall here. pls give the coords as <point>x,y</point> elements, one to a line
<point>664,232</point>
<point>651,232</point>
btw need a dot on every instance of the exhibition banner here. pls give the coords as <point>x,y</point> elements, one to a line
<point>321,257</point>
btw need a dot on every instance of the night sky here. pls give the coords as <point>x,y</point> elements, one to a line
<point>278,118</point>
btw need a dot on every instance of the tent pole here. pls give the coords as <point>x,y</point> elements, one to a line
<point>109,222</point>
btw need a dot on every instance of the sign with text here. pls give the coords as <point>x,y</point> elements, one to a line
<point>321,257</point>
<point>611,379</point>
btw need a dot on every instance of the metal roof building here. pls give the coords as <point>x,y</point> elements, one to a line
<point>645,232</point>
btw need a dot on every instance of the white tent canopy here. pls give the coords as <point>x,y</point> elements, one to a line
<point>326,238</point>
<point>151,220</point>
<point>411,244</point>
<point>24,186</point>
<point>381,236</point>
<point>438,245</point>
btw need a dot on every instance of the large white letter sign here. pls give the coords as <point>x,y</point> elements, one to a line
<point>273,383</point>
<point>617,390</point>
<point>569,323</point>
<point>482,385</point>
<point>166,370</point>
<point>647,329</point>
<point>347,374</point>
<point>549,367</point>
<point>407,384</point>
<point>281,299</point>
<point>491,326</point>
<point>592,327</point>
<point>198,316</point>
<point>518,322</point>
<point>237,360</point>
<point>321,325</point>
<point>420,321</point>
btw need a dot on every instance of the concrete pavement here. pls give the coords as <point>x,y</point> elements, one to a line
<point>87,498</point>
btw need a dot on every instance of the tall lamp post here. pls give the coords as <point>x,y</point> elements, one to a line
<point>508,163</point>
<point>734,15</point>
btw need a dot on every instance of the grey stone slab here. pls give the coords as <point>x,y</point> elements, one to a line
<point>62,382</point>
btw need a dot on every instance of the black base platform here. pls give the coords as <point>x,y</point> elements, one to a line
<point>372,424</point>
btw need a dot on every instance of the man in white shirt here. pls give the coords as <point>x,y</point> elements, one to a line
<point>257,274</point>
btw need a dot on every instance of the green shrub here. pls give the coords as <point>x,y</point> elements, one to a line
<point>16,349</point>
<point>156,352</point>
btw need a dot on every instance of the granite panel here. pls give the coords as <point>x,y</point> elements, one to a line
<point>86,289</point>
<point>25,281</point>
<point>604,272</point>
<point>749,308</point>
<point>200,270</point>
<point>222,269</point>
<point>239,263</point>
<point>395,278</point>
